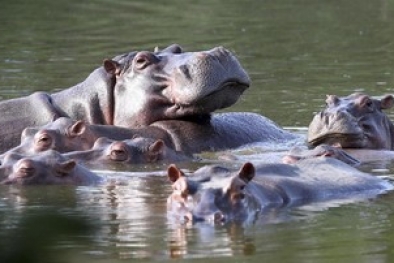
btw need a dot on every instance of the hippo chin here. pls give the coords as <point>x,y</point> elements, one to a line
<point>218,194</point>
<point>134,90</point>
<point>355,121</point>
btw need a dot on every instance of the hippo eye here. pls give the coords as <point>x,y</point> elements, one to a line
<point>45,140</point>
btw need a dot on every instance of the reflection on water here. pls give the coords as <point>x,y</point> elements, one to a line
<point>296,52</point>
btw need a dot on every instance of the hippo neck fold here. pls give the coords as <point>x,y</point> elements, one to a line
<point>91,100</point>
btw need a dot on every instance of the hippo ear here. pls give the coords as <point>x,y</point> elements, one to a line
<point>111,66</point>
<point>247,172</point>
<point>157,147</point>
<point>174,173</point>
<point>77,128</point>
<point>155,150</point>
<point>65,168</point>
<point>387,102</point>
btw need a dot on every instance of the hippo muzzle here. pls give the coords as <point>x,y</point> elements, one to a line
<point>200,77</point>
<point>336,128</point>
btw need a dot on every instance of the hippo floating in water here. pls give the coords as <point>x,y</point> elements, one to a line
<point>297,153</point>
<point>49,167</point>
<point>132,151</point>
<point>216,193</point>
<point>218,132</point>
<point>135,89</point>
<point>355,121</point>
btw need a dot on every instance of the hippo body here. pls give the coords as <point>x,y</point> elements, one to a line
<point>132,151</point>
<point>134,90</point>
<point>354,121</point>
<point>223,131</point>
<point>49,167</point>
<point>216,193</point>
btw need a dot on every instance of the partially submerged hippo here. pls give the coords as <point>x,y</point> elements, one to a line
<point>49,167</point>
<point>132,151</point>
<point>297,153</point>
<point>216,193</point>
<point>217,132</point>
<point>133,90</point>
<point>66,135</point>
<point>355,121</point>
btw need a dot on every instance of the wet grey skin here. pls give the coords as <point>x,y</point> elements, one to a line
<point>219,194</point>
<point>354,121</point>
<point>134,90</point>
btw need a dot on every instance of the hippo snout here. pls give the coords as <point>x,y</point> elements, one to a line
<point>330,126</point>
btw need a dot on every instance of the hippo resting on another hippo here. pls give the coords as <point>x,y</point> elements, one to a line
<point>132,151</point>
<point>355,123</point>
<point>139,89</point>
<point>216,193</point>
<point>223,131</point>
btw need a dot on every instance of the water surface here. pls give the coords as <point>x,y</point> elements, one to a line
<point>296,52</point>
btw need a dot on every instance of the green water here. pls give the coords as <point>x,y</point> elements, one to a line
<point>296,52</point>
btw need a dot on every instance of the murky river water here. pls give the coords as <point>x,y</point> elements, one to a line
<point>296,52</point>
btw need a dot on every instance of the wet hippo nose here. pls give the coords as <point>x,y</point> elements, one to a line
<point>25,168</point>
<point>118,151</point>
<point>218,217</point>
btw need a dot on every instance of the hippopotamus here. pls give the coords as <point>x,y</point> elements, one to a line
<point>323,150</point>
<point>354,121</point>
<point>66,135</point>
<point>135,89</point>
<point>218,132</point>
<point>132,151</point>
<point>48,167</point>
<point>220,194</point>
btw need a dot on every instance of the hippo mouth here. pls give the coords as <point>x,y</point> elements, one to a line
<point>339,139</point>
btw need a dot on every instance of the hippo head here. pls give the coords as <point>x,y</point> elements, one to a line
<point>62,134</point>
<point>217,200</point>
<point>323,150</point>
<point>173,84</point>
<point>46,168</point>
<point>131,151</point>
<point>355,121</point>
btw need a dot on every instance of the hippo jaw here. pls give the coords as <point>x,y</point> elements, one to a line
<point>172,84</point>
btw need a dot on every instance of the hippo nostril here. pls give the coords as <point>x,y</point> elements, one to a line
<point>185,71</point>
<point>218,217</point>
<point>25,168</point>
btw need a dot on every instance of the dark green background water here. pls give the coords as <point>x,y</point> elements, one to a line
<point>296,52</point>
